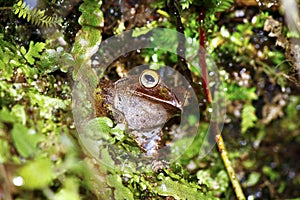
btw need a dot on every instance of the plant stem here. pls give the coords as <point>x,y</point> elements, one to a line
<point>182,65</point>
<point>230,171</point>
<point>6,190</point>
<point>214,124</point>
<point>6,8</point>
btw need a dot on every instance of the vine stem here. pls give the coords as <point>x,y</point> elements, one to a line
<point>230,171</point>
<point>218,137</point>
<point>6,8</point>
<point>183,68</point>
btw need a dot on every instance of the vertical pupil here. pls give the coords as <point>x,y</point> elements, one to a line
<point>149,78</point>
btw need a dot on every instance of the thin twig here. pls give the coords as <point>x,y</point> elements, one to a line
<point>218,137</point>
<point>183,68</point>
<point>230,171</point>
<point>6,8</point>
<point>6,191</point>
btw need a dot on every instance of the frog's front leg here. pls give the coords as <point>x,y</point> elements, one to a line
<point>149,141</point>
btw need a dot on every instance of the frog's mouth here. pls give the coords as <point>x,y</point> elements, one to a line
<point>162,95</point>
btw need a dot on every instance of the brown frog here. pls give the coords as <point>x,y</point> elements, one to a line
<point>143,102</point>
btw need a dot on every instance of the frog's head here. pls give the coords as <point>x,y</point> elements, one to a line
<point>151,86</point>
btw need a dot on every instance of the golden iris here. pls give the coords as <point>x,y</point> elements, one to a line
<point>149,78</point>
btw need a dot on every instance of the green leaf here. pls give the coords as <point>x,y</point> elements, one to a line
<point>248,117</point>
<point>23,50</point>
<point>143,30</point>
<point>235,92</point>
<point>5,154</point>
<point>24,141</point>
<point>222,5</point>
<point>163,13</point>
<point>99,128</point>
<point>252,179</point>
<point>185,4</point>
<point>19,111</point>
<point>204,177</point>
<point>118,131</point>
<point>223,181</point>
<point>120,191</point>
<point>106,157</point>
<point>6,116</point>
<point>54,59</point>
<point>193,149</point>
<point>37,174</point>
<point>34,51</point>
<point>271,173</point>
<point>88,39</point>
<point>178,190</point>
<point>47,104</point>
<point>236,39</point>
<point>69,191</point>
<point>34,15</point>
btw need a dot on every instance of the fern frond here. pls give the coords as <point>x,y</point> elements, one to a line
<point>248,117</point>
<point>223,5</point>
<point>35,16</point>
<point>33,52</point>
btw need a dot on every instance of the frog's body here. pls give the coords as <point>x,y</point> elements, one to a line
<point>143,102</point>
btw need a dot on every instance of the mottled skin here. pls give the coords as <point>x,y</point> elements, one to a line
<point>143,109</point>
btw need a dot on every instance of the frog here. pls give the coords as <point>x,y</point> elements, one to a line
<point>143,102</point>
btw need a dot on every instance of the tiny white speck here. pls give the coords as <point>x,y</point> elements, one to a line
<point>211,73</point>
<point>251,197</point>
<point>18,181</point>
<point>31,131</point>
<point>164,188</point>
<point>155,58</point>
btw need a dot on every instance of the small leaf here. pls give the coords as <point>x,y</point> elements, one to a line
<point>19,111</point>
<point>16,10</point>
<point>252,179</point>
<point>24,141</point>
<point>204,177</point>
<point>21,14</point>
<point>6,116</point>
<point>34,51</point>
<point>37,174</point>
<point>222,180</point>
<point>139,31</point>
<point>23,50</point>
<point>236,92</point>
<point>120,191</point>
<point>52,103</point>
<point>88,39</point>
<point>5,154</point>
<point>178,190</point>
<point>272,174</point>
<point>118,131</point>
<point>106,157</point>
<point>99,128</point>
<point>69,191</point>
<point>248,117</point>
<point>163,13</point>
<point>20,3</point>
<point>224,32</point>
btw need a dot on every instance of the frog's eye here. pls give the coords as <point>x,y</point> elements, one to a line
<point>149,78</point>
